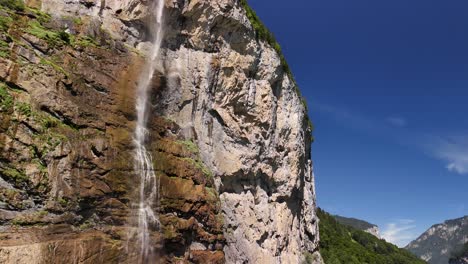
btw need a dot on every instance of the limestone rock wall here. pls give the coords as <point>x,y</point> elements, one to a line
<point>230,136</point>
<point>230,94</point>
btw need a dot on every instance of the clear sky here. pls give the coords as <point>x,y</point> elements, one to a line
<point>387,87</point>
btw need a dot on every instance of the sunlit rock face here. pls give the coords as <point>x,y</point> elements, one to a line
<point>229,137</point>
<point>374,231</point>
<point>439,242</point>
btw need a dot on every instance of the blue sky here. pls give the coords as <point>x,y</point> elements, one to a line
<point>387,87</point>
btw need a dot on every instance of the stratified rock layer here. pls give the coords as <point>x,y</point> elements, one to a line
<point>229,135</point>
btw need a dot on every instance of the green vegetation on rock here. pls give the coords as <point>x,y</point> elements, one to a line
<point>53,65</point>
<point>53,38</point>
<point>341,244</point>
<point>86,41</point>
<point>189,145</point>
<point>52,131</point>
<point>40,16</point>
<point>47,132</point>
<point>14,176</point>
<point>35,218</point>
<point>264,34</point>
<point>197,163</point>
<point>4,49</point>
<point>86,225</point>
<point>5,22</point>
<point>17,5</point>
<point>6,100</point>
<point>24,109</point>
<point>39,26</point>
<point>192,147</point>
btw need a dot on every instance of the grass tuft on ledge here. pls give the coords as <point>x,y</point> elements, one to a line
<point>17,5</point>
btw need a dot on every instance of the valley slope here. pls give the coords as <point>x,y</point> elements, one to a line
<point>342,244</point>
<point>441,240</point>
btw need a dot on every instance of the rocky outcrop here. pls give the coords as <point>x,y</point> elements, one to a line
<point>440,241</point>
<point>374,231</point>
<point>229,134</point>
<point>359,224</point>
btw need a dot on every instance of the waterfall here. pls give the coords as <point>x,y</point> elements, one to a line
<point>148,203</point>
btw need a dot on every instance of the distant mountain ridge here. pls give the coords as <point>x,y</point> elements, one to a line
<point>439,242</point>
<point>359,224</point>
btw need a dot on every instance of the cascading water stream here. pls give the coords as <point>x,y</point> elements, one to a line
<point>148,203</point>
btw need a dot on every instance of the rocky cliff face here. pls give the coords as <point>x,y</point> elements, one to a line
<point>440,241</point>
<point>229,135</point>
